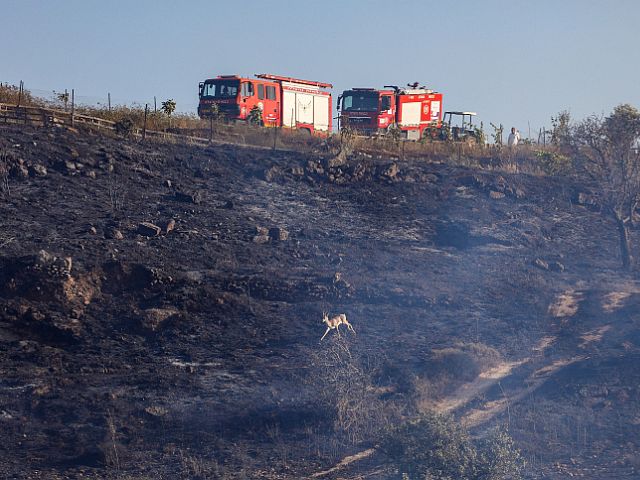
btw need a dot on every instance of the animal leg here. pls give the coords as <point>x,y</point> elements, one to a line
<point>325,333</point>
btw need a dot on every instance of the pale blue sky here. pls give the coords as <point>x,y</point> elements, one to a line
<point>513,62</point>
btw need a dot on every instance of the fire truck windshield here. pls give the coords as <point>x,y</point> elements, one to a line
<point>360,102</point>
<point>220,89</point>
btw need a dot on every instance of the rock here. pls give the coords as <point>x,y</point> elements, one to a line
<point>153,318</point>
<point>19,172</point>
<point>392,171</point>
<point>262,235</point>
<point>168,183</point>
<point>271,174</point>
<point>115,234</point>
<point>38,170</point>
<point>170,225</point>
<point>587,199</point>
<point>496,195</point>
<point>73,152</point>
<point>279,233</point>
<point>315,167</point>
<point>93,231</point>
<point>156,411</point>
<point>297,171</point>
<point>148,229</point>
<point>70,166</point>
<point>261,239</point>
<point>91,174</point>
<point>519,193</point>
<point>228,204</point>
<point>337,161</point>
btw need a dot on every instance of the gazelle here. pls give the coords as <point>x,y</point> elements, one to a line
<point>335,322</point>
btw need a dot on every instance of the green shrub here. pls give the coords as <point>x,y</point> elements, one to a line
<point>255,116</point>
<point>435,447</point>
<point>553,163</point>
<point>432,446</point>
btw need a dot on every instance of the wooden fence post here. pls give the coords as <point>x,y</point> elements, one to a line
<point>109,101</point>
<point>73,104</point>
<point>144,125</point>
<point>20,92</point>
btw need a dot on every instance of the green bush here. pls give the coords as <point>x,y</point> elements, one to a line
<point>435,447</point>
<point>553,163</point>
<point>255,116</point>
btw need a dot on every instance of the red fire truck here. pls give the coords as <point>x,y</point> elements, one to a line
<point>412,110</point>
<point>283,101</point>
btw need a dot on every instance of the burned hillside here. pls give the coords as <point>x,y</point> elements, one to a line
<point>161,307</point>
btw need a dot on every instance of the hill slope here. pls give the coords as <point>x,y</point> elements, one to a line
<point>195,350</point>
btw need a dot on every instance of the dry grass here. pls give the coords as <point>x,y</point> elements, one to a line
<point>525,158</point>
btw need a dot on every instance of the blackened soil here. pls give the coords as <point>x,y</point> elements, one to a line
<point>184,354</point>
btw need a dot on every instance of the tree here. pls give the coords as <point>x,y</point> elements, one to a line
<point>608,152</point>
<point>168,107</point>
<point>561,129</point>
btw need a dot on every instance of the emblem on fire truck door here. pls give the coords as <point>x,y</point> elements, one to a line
<point>425,109</point>
<point>304,106</point>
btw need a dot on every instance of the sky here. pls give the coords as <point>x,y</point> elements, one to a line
<point>515,62</point>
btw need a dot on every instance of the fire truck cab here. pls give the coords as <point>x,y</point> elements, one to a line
<point>236,96</point>
<point>372,112</point>
<point>283,101</point>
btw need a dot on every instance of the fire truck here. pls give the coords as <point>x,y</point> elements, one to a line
<point>415,111</point>
<point>282,101</point>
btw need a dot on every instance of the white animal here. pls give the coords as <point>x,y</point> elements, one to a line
<point>335,322</point>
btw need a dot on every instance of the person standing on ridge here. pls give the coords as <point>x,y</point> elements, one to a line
<point>514,137</point>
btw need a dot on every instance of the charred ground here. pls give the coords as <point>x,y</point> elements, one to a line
<point>192,349</point>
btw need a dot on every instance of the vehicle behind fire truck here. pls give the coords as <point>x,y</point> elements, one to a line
<point>282,101</point>
<point>414,111</point>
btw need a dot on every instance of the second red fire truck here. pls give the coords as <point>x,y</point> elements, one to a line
<point>281,101</point>
<point>415,111</point>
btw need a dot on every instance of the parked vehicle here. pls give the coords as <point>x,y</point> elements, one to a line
<point>411,110</point>
<point>458,126</point>
<point>269,100</point>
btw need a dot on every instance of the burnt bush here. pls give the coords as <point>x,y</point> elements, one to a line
<point>124,127</point>
<point>343,379</point>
